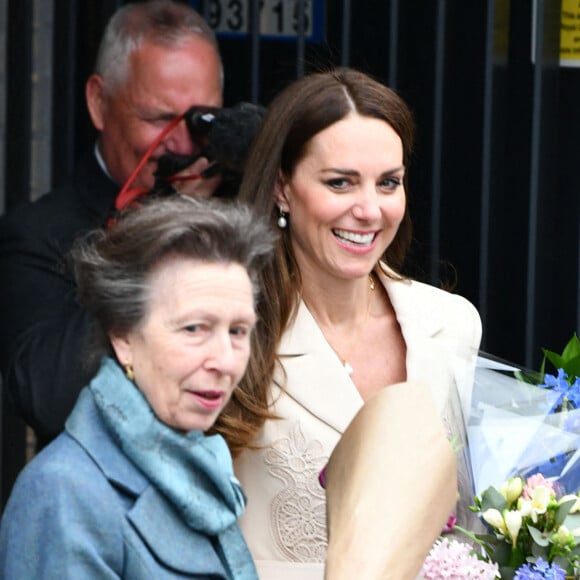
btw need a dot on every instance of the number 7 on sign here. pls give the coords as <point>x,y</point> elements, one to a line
<point>278,18</point>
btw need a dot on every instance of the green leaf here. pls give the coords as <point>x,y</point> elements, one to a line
<point>572,521</point>
<point>572,349</point>
<point>572,367</point>
<point>539,551</point>
<point>487,542</point>
<point>537,537</point>
<point>556,359</point>
<point>529,377</point>
<point>569,360</point>
<point>563,510</point>
<point>504,555</point>
<point>492,499</point>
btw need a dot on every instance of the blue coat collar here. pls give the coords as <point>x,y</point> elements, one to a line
<point>156,521</point>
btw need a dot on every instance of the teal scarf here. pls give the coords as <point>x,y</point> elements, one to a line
<point>192,471</point>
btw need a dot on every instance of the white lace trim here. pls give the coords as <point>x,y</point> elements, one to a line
<point>298,512</point>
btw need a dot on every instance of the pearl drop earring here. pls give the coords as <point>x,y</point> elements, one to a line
<point>282,221</point>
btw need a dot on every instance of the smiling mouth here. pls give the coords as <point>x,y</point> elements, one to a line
<point>355,238</point>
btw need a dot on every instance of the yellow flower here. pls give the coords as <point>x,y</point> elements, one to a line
<point>537,504</point>
<point>541,497</point>
<point>512,489</point>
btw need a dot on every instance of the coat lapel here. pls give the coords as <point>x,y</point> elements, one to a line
<point>414,311</point>
<point>169,539</point>
<point>316,378</point>
<point>86,426</point>
<point>151,515</point>
<point>432,358</point>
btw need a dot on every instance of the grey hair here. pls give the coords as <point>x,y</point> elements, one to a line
<point>112,266</point>
<point>162,22</point>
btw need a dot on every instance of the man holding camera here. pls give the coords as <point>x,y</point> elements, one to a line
<point>155,61</point>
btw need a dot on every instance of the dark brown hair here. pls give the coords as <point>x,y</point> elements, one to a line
<point>301,111</point>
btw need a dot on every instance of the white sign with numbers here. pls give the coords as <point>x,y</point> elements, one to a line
<point>278,18</point>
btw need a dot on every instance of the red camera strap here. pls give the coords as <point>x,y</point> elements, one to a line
<point>129,194</point>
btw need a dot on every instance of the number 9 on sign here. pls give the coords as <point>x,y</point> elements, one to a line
<point>278,18</point>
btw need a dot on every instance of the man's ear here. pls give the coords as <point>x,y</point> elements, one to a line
<point>281,193</point>
<point>95,97</point>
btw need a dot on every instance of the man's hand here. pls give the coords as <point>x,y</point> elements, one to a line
<point>190,181</point>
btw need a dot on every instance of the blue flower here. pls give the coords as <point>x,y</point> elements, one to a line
<point>541,570</point>
<point>574,393</point>
<point>560,384</point>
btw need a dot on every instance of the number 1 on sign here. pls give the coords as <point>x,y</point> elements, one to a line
<point>278,18</point>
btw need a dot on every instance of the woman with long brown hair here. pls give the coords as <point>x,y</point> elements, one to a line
<point>340,322</point>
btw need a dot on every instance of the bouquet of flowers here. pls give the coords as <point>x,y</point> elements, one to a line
<point>531,523</point>
<point>523,428</point>
<point>523,422</point>
<point>534,534</point>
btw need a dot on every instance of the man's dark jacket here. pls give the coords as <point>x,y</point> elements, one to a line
<point>43,329</point>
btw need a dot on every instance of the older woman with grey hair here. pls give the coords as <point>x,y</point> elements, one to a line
<point>134,488</point>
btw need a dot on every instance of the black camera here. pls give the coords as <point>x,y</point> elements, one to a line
<point>224,135</point>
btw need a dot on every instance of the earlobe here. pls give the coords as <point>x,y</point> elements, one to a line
<point>281,194</point>
<point>122,348</point>
<point>94,96</point>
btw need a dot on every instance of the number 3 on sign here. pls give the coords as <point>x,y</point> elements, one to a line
<point>278,18</point>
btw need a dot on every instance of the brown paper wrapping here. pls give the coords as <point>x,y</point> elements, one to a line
<point>391,485</point>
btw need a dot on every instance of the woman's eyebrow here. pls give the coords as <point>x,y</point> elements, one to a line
<point>354,172</point>
<point>340,171</point>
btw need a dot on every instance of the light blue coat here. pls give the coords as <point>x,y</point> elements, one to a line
<point>82,510</point>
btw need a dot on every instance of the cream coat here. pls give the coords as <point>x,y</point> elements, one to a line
<point>285,517</point>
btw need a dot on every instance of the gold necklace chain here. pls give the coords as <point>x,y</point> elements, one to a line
<point>349,369</point>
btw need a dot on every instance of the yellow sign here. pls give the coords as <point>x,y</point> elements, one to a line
<point>570,33</point>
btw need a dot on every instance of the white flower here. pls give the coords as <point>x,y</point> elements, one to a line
<point>513,521</point>
<point>537,504</point>
<point>512,489</point>
<point>494,518</point>
<point>525,508</point>
<point>541,497</point>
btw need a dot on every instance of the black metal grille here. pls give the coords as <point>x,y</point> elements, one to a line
<point>494,189</point>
